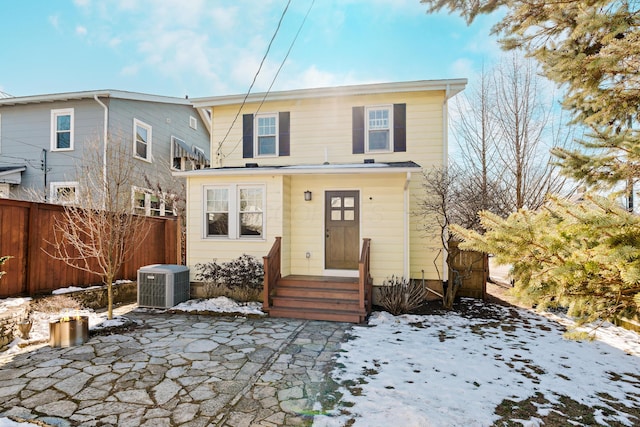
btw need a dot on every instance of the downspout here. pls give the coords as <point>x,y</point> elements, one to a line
<point>445,158</point>
<point>104,152</point>
<point>405,246</point>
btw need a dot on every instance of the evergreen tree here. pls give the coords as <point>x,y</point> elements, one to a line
<point>592,49</point>
<point>584,256</point>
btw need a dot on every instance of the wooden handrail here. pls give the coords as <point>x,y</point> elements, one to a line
<point>271,272</point>
<point>365,282</point>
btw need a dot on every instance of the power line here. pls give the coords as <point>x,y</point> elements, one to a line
<point>275,76</point>
<point>255,77</point>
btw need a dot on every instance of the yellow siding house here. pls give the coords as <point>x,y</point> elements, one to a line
<point>321,183</point>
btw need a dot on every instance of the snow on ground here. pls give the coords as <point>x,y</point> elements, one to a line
<point>220,305</point>
<point>454,370</point>
<point>449,370</point>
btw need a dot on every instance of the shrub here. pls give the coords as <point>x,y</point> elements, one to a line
<point>243,277</point>
<point>55,304</point>
<point>400,296</point>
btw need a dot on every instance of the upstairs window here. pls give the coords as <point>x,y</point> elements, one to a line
<point>141,140</point>
<point>378,129</point>
<point>64,193</point>
<point>146,202</point>
<point>266,135</point>
<point>62,130</point>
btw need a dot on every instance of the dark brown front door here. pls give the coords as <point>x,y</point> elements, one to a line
<point>342,237</point>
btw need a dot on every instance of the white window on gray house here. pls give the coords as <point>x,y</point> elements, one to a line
<point>64,193</point>
<point>234,211</point>
<point>141,140</point>
<point>185,157</point>
<point>266,143</point>
<point>146,202</point>
<point>378,129</point>
<point>193,123</point>
<point>62,129</point>
<point>5,190</point>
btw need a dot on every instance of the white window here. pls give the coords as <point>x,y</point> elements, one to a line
<point>62,130</point>
<point>379,129</point>
<point>146,202</point>
<point>193,123</point>
<point>235,211</point>
<point>178,157</point>
<point>5,190</point>
<point>266,139</point>
<point>64,193</point>
<point>141,140</point>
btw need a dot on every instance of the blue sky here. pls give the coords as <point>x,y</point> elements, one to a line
<point>207,47</point>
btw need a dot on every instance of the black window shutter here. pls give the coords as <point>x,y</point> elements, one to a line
<point>358,130</point>
<point>247,136</point>
<point>283,133</point>
<point>399,127</point>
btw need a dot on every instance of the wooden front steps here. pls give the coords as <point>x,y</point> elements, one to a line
<point>317,298</point>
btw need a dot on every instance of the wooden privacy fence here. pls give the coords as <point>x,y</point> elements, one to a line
<point>25,229</point>
<point>474,268</point>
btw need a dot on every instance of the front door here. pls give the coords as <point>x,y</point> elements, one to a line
<point>342,237</point>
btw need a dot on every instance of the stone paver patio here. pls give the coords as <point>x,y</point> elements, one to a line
<point>178,370</point>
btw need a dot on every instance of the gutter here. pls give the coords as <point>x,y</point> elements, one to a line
<point>104,153</point>
<point>405,231</point>
<point>445,157</point>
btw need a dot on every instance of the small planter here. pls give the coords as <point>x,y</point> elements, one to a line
<point>69,331</point>
<point>25,328</point>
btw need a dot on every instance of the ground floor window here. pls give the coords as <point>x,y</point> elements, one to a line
<point>65,193</point>
<point>146,202</point>
<point>234,211</point>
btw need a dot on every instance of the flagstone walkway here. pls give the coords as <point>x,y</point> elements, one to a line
<point>178,370</point>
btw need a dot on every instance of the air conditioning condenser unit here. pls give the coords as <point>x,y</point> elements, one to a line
<point>163,285</point>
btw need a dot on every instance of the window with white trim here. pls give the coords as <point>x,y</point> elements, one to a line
<point>379,129</point>
<point>141,140</point>
<point>234,211</point>
<point>177,161</point>
<point>193,123</point>
<point>64,193</point>
<point>266,139</point>
<point>148,203</point>
<point>62,131</point>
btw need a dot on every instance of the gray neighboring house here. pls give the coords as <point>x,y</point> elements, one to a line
<point>42,138</point>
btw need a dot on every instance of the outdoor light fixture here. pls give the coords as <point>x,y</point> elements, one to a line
<point>307,195</point>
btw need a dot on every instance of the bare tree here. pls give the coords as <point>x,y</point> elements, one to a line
<point>506,128</point>
<point>476,131</point>
<point>441,187</point>
<point>524,116</point>
<point>103,234</point>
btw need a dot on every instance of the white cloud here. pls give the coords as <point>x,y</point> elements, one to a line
<point>463,68</point>
<point>81,30</point>
<point>54,20</point>
<point>130,70</point>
